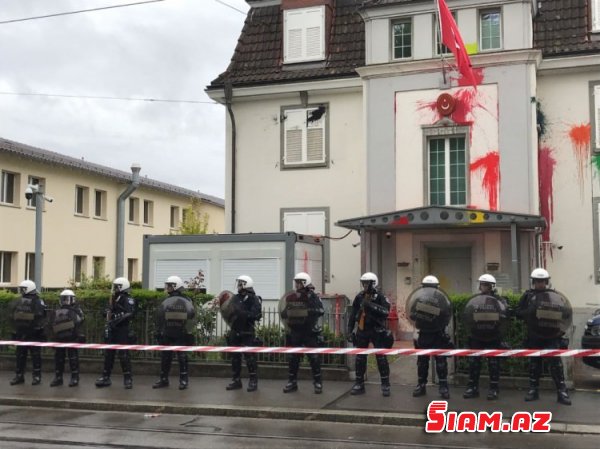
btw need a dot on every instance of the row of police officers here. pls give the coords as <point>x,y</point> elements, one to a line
<point>546,313</point>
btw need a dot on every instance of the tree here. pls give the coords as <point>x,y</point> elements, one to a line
<point>194,220</point>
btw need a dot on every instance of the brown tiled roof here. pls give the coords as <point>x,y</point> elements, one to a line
<point>258,57</point>
<point>562,28</point>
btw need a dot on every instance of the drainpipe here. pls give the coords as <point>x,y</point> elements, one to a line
<point>135,182</point>
<point>228,96</point>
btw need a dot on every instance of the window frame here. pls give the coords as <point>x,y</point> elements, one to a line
<point>393,23</point>
<point>29,265</point>
<point>437,35</point>
<point>4,257</point>
<point>174,217</point>
<point>30,181</point>
<point>595,115</point>
<point>324,124</point>
<point>148,213</point>
<point>82,267</point>
<point>103,195</point>
<point>480,14</point>
<point>98,267</point>
<point>15,188</point>
<point>302,14</point>
<point>85,201</point>
<point>446,133</point>
<point>595,16</point>
<point>133,207</point>
<point>132,269</point>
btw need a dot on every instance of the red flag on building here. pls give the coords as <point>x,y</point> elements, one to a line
<point>451,38</point>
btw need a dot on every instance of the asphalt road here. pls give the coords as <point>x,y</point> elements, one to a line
<point>24,427</point>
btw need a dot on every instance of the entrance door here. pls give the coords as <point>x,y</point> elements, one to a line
<point>452,266</point>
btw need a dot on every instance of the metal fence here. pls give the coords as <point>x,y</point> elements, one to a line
<point>211,330</point>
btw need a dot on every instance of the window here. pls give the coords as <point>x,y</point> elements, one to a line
<point>79,267</point>
<point>98,267</point>
<point>81,201</point>
<point>8,188</point>
<point>33,181</point>
<point>595,114</point>
<point>6,261</point>
<point>100,204</point>
<point>309,221</point>
<point>148,212</point>
<point>596,16</point>
<point>447,171</point>
<point>439,48</point>
<point>132,270</point>
<point>402,38</point>
<point>305,137</point>
<point>304,34</point>
<point>134,210</point>
<point>490,23</point>
<point>174,222</point>
<point>29,265</point>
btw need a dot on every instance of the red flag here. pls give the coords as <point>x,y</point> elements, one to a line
<point>451,38</point>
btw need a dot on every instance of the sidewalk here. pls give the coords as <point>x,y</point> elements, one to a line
<point>207,396</point>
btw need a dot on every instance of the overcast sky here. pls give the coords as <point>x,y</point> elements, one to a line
<point>170,49</point>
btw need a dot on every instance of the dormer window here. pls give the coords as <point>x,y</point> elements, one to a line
<point>596,16</point>
<point>402,38</point>
<point>304,34</point>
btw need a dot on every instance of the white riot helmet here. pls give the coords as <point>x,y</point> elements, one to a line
<point>121,285</point>
<point>174,284</point>
<point>430,281</point>
<point>488,279</point>
<point>540,273</point>
<point>369,280</point>
<point>27,287</point>
<point>303,279</point>
<point>67,298</point>
<point>244,282</point>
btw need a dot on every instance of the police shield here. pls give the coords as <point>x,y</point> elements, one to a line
<point>549,314</point>
<point>429,309</point>
<point>293,310</point>
<point>486,318</point>
<point>65,325</point>
<point>230,305</point>
<point>176,317</point>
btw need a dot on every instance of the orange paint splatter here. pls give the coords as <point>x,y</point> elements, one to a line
<point>580,141</point>
<point>490,182</point>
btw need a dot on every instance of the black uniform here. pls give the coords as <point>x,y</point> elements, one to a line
<point>120,314</point>
<point>243,333</point>
<point>536,363</point>
<point>305,332</point>
<point>29,318</point>
<point>369,313</point>
<point>66,325</point>
<point>493,362</point>
<point>176,311</point>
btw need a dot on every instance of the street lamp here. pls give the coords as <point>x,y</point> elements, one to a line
<point>38,191</point>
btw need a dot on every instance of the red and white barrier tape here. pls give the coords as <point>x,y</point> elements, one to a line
<point>302,350</point>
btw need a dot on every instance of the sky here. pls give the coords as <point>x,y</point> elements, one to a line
<point>165,50</point>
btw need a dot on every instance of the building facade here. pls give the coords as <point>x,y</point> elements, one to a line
<point>80,224</point>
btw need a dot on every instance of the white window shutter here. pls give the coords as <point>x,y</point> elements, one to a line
<point>315,138</point>
<point>295,122</point>
<point>305,222</point>
<point>595,15</point>
<point>315,36</point>
<point>597,112</point>
<point>304,34</point>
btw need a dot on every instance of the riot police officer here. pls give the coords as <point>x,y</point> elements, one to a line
<point>66,325</point>
<point>120,314</point>
<point>486,315</point>
<point>248,311</point>
<point>369,313</point>
<point>174,324</point>
<point>29,315</point>
<point>301,310</point>
<point>528,310</point>
<point>430,310</point>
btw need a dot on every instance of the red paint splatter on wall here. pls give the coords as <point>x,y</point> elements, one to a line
<point>478,73</point>
<point>490,182</point>
<point>580,141</point>
<point>466,100</point>
<point>546,165</point>
<point>305,262</point>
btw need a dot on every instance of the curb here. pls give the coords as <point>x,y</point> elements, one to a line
<point>340,416</point>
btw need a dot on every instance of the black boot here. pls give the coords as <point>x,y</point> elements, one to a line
<point>385,387</point>
<point>532,394</point>
<point>535,371</point>
<point>358,387</point>
<point>558,375</point>
<point>74,380</point>
<point>74,365</point>
<point>104,380</point>
<point>420,389</point>
<point>183,381</point>
<point>472,391</point>
<point>252,383</point>
<point>127,381</point>
<point>291,386</point>
<point>36,377</point>
<point>563,395</point>
<point>162,382</point>
<point>315,366</point>
<point>235,384</point>
<point>58,379</point>
<point>18,379</point>
<point>318,385</point>
<point>183,371</point>
<point>444,390</point>
<point>493,391</point>
<point>384,373</point>
<point>361,369</point>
